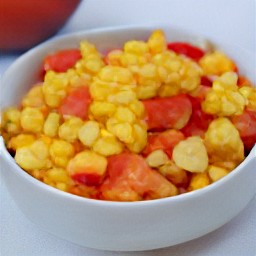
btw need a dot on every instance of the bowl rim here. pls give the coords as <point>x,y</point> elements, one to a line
<point>103,203</point>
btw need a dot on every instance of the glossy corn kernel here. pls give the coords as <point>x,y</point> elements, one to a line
<point>10,120</point>
<point>199,180</point>
<point>191,155</point>
<point>69,129</point>
<point>61,151</point>
<point>51,125</point>
<point>124,114</point>
<point>21,140</point>
<point>224,99</point>
<point>249,94</point>
<point>123,131</point>
<point>173,173</point>
<point>102,109</point>
<point>89,132</point>
<point>122,97</point>
<point>157,42</point>
<point>136,47</point>
<point>216,63</point>
<point>215,173</point>
<point>34,97</point>
<point>55,88</point>
<point>32,120</point>
<point>157,158</point>
<point>107,145</point>
<point>33,156</point>
<point>223,141</point>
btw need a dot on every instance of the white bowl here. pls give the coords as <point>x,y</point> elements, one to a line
<point>121,226</point>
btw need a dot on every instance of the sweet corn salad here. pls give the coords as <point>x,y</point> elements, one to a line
<point>152,119</point>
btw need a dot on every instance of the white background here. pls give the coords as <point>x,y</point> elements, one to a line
<point>230,21</point>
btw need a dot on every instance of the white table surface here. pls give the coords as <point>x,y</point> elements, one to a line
<point>231,21</point>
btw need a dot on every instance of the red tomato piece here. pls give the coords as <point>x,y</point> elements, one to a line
<point>61,61</point>
<point>131,179</point>
<point>246,125</point>
<point>165,141</point>
<point>198,122</point>
<point>186,49</point>
<point>167,113</point>
<point>76,103</point>
<point>87,178</point>
<point>206,81</point>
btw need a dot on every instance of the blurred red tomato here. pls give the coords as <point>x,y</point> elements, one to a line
<point>25,23</point>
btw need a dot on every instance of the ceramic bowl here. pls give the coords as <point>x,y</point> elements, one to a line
<point>121,226</point>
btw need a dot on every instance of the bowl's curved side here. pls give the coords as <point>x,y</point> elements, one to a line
<point>112,225</point>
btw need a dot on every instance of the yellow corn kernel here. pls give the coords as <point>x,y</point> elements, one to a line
<point>87,161</point>
<point>57,175</point>
<point>21,140</point>
<point>157,42</point>
<point>114,57</point>
<point>136,47</point>
<point>199,180</point>
<point>11,120</point>
<point>77,79</point>
<point>116,75</point>
<point>129,60</point>
<point>124,132</point>
<point>61,151</point>
<point>124,114</point>
<point>69,129</point>
<point>168,90</point>
<point>157,158</point>
<point>191,155</point>
<point>173,173</point>
<point>87,49</point>
<point>52,124</point>
<point>102,109</point>
<point>215,173</point>
<point>55,88</point>
<point>249,94</point>
<point>33,156</point>
<point>89,133</point>
<point>224,99</point>
<point>137,108</point>
<point>100,90</point>
<point>223,141</point>
<point>216,63</point>
<point>140,138</point>
<point>107,145</point>
<point>147,91</point>
<point>32,120</point>
<point>228,165</point>
<point>122,97</point>
<point>34,97</point>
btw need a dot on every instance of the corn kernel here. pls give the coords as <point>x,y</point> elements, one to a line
<point>124,114</point>
<point>61,151</point>
<point>102,109</point>
<point>137,108</point>
<point>52,124</point>
<point>199,180</point>
<point>191,154</point>
<point>107,146</point>
<point>249,93</point>
<point>32,120</point>
<point>34,156</point>
<point>69,129</point>
<point>173,173</point>
<point>21,140</point>
<point>157,42</point>
<point>157,158</point>
<point>34,97</point>
<point>223,141</point>
<point>216,173</point>
<point>11,120</point>
<point>122,97</point>
<point>136,47</point>
<point>124,132</point>
<point>216,63</point>
<point>89,132</point>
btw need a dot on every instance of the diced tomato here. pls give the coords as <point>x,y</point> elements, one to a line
<point>76,103</point>
<point>61,61</point>
<point>206,81</point>
<point>243,81</point>
<point>199,121</point>
<point>167,113</point>
<point>130,179</point>
<point>189,50</point>
<point>87,178</point>
<point>246,125</point>
<point>165,140</point>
